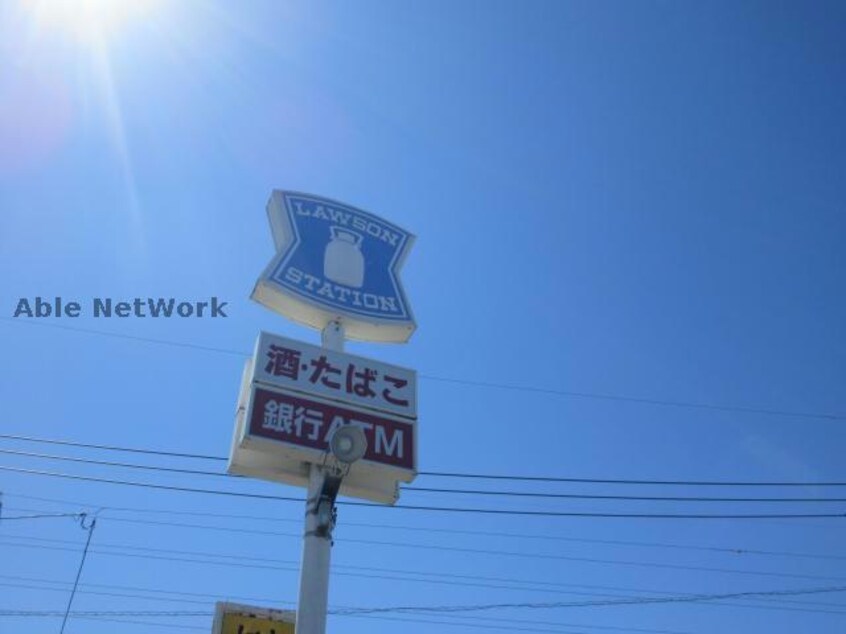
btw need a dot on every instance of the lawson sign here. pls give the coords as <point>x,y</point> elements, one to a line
<point>334,261</point>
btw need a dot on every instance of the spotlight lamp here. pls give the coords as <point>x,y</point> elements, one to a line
<point>348,444</point>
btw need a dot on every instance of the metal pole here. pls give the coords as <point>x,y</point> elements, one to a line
<point>332,336</point>
<point>314,572</point>
<point>317,540</point>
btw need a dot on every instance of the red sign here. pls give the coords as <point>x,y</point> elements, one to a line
<point>309,423</point>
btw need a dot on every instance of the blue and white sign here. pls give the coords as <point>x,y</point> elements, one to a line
<point>334,261</point>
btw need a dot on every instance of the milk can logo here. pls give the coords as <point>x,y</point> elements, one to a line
<point>335,260</point>
<point>344,262</point>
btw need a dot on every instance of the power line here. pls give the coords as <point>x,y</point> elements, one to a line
<point>447,609</point>
<point>38,517</point>
<point>127,465</point>
<point>432,578</point>
<point>567,496</point>
<point>169,596</point>
<point>439,509</point>
<point>236,563</point>
<point>108,620</point>
<point>707,483</point>
<point>639,498</point>
<point>117,335</point>
<point>338,609</point>
<point>150,452</point>
<point>292,569</point>
<point>714,483</point>
<point>634,399</point>
<point>471,383</point>
<point>378,618</point>
<point>435,578</point>
<point>738,550</point>
<point>274,602</point>
<point>166,487</point>
<point>90,530</point>
<point>633,601</point>
<point>432,547</point>
<point>162,613</point>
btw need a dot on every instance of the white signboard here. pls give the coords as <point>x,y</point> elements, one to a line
<point>287,415</point>
<point>337,376</point>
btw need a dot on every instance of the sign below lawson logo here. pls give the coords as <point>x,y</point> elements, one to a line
<point>334,261</point>
<point>295,396</point>
<point>339,376</point>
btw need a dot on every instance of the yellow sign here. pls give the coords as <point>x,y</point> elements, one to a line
<point>246,624</point>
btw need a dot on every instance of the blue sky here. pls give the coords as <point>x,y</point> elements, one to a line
<point>640,200</point>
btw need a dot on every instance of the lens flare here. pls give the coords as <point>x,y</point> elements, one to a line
<point>89,20</point>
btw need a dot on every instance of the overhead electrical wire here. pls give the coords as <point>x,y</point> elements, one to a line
<point>467,382</point>
<point>439,509</point>
<point>90,529</point>
<point>417,546</point>
<point>695,598</point>
<point>85,616</point>
<point>482,492</point>
<point>38,517</point>
<point>614,593</point>
<point>632,481</point>
<point>448,609</point>
<point>475,622</point>
<point>274,603</point>
<point>265,601</point>
<point>736,551</point>
<point>139,450</point>
<point>431,581</point>
<point>438,578</point>
<point>203,598</point>
<point>624,481</point>
<point>165,596</point>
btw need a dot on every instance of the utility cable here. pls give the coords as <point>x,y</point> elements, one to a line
<point>737,550</point>
<point>90,529</point>
<point>71,443</point>
<point>433,547</point>
<point>444,474</point>
<point>38,517</point>
<point>544,586</point>
<point>614,592</point>
<point>275,603</point>
<point>440,509</point>
<point>687,598</point>
<point>473,383</point>
<point>480,492</point>
<point>448,609</point>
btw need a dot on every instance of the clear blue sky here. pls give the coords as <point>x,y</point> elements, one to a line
<point>631,199</point>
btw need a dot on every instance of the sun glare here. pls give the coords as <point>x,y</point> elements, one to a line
<point>87,31</point>
<point>89,20</point>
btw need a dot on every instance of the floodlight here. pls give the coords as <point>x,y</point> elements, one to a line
<point>348,444</point>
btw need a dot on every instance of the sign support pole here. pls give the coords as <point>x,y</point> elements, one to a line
<point>313,599</point>
<point>314,573</point>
